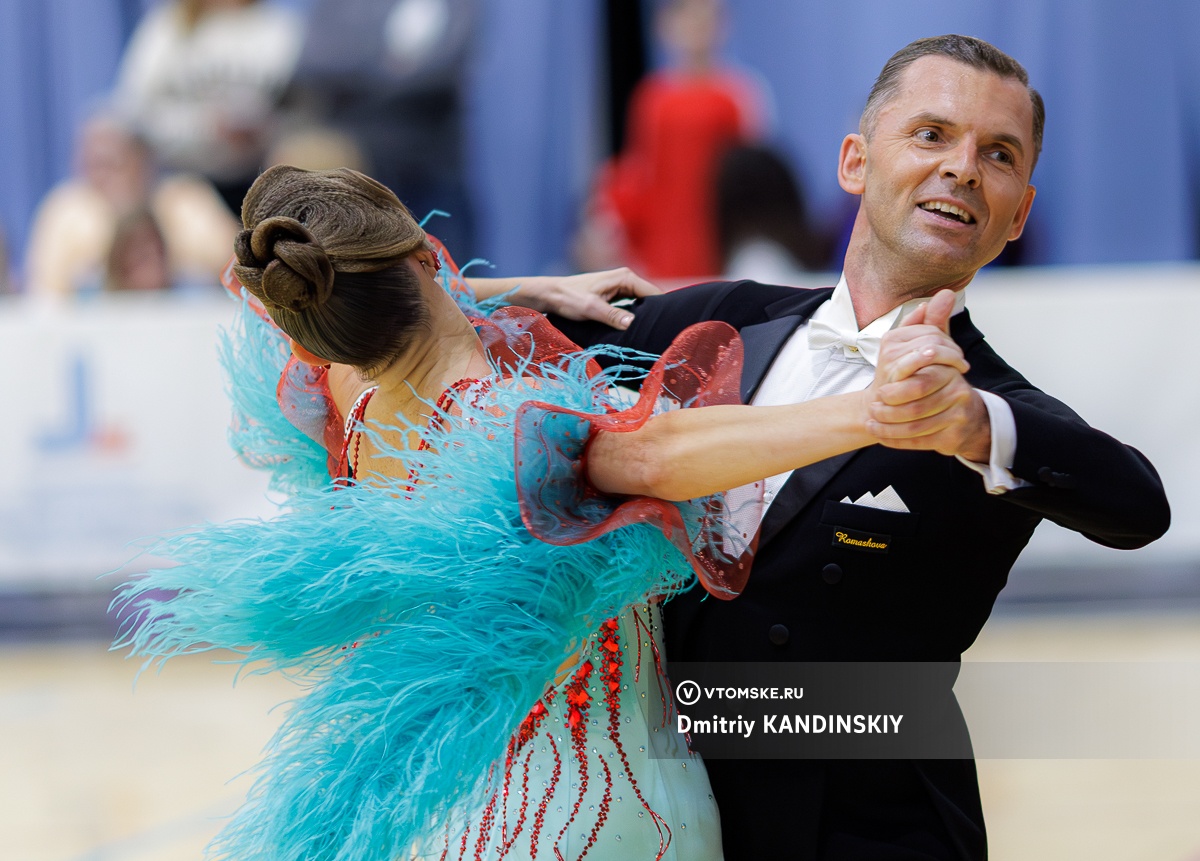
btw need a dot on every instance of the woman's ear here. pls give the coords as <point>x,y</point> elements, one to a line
<point>308,357</point>
<point>428,260</point>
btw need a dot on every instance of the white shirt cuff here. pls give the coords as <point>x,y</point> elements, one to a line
<point>997,475</point>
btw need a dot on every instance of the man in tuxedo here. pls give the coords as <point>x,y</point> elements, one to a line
<point>969,463</point>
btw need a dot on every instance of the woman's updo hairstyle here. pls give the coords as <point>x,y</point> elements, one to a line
<point>324,251</point>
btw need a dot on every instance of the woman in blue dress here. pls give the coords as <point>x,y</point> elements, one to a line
<point>478,534</point>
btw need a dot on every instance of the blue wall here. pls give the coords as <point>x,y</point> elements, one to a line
<point>56,57</point>
<point>1119,179</point>
<point>1120,82</point>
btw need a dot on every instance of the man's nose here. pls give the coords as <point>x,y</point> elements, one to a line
<point>962,166</point>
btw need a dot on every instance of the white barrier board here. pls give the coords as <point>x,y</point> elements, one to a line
<point>1118,345</point>
<point>113,414</point>
<point>113,429</point>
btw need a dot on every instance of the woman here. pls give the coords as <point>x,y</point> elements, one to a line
<point>475,692</point>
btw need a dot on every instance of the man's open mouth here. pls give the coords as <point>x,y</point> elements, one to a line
<point>948,211</point>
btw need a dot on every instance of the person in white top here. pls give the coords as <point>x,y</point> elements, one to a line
<point>201,79</point>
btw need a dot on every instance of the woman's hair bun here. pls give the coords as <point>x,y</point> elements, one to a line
<point>283,264</point>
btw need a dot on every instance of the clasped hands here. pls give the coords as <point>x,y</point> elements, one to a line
<point>920,399</point>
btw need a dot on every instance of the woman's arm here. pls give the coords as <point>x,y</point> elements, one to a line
<point>689,453</point>
<point>576,297</point>
<point>685,454</point>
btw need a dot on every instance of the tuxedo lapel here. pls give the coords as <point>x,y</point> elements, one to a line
<point>761,342</point>
<point>963,331</point>
<point>798,491</point>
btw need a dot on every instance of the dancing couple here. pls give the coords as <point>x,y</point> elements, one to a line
<point>481,532</point>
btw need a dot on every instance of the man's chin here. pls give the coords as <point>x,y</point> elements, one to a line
<point>948,255</point>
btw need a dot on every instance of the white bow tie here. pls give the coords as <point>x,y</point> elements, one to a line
<point>822,336</point>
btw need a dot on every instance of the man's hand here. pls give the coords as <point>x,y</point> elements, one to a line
<point>576,297</point>
<point>920,399</point>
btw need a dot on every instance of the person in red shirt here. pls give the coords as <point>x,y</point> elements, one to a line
<point>655,199</point>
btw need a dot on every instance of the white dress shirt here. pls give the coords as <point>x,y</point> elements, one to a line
<point>830,355</point>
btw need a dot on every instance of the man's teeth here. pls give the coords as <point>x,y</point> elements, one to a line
<point>961,214</point>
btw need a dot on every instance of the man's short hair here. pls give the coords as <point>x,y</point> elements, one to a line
<point>965,49</point>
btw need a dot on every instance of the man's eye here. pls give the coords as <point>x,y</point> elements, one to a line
<point>928,135</point>
<point>1003,156</point>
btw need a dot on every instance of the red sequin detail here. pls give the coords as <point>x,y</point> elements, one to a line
<point>575,694</point>
<point>539,819</point>
<point>347,462</point>
<point>613,703</point>
<point>643,630</point>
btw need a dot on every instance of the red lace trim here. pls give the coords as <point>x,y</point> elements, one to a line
<point>702,367</point>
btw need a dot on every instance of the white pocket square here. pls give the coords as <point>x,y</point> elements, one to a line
<point>886,500</point>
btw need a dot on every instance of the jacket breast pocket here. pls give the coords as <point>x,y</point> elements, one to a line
<point>859,529</point>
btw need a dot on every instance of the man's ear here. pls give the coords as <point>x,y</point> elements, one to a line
<point>1018,224</point>
<point>852,164</point>
<point>308,357</point>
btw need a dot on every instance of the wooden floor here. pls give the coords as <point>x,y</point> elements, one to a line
<point>1101,810</point>
<point>93,770</point>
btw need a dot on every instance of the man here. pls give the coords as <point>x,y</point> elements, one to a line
<point>941,163</point>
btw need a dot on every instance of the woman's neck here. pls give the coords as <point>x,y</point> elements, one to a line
<point>447,351</point>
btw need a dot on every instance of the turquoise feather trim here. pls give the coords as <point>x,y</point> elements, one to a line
<point>254,353</point>
<point>422,619</point>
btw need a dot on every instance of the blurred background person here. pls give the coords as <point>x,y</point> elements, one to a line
<point>137,257</point>
<point>316,148</point>
<point>654,206</point>
<point>138,260</point>
<point>390,76</point>
<point>201,79</point>
<point>763,229</point>
<point>115,175</point>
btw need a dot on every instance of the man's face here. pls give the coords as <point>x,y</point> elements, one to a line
<point>944,171</point>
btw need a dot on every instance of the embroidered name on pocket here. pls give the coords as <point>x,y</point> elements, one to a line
<point>867,542</point>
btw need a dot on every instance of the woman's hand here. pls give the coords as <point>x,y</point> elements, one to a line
<point>576,297</point>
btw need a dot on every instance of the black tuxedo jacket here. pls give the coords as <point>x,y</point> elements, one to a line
<point>923,600</point>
